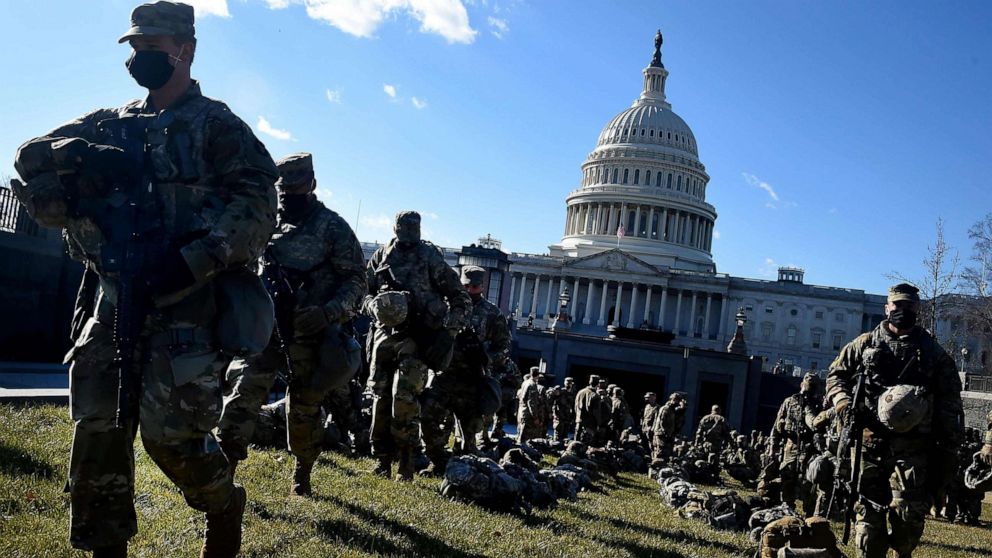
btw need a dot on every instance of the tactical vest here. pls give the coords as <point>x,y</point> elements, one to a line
<point>889,362</point>
<point>302,251</point>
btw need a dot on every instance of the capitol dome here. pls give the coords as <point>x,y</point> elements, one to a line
<point>644,185</point>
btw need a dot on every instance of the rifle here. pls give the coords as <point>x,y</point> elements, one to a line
<point>134,241</point>
<point>854,428</point>
<point>277,284</point>
<point>471,347</point>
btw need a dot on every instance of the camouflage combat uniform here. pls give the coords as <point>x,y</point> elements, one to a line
<point>587,413</point>
<point>620,417</point>
<point>562,410</point>
<point>438,307</point>
<point>711,435</point>
<point>894,466</point>
<point>648,417</point>
<point>456,389</point>
<point>667,426</point>
<point>318,256</point>
<point>792,441</point>
<point>211,202</point>
<point>532,411</point>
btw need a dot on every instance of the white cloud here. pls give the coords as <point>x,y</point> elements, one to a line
<point>758,183</point>
<point>431,215</point>
<point>267,129</point>
<point>389,89</point>
<point>716,234</point>
<point>203,8</point>
<point>770,269</point>
<point>324,194</point>
<point>278,4</point>
<point>498,27</point>
<point>378,227</point>
<point>333,95</point>
<point>418,103</point>
<point>447,18</point>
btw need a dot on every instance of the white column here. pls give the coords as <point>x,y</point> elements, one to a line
<point>513,290</point>
<point>678,311</point>
<point>633,304</point>
<point>611,227</point>
<point>600,213</point>
<point>533,299</point>
<point>661,312</point>
<point>523,289</point>
<point>663,223</point>
<point>647,305</point>
<point>706,322</point>
<point>723,317</point>
<point>616,308</point>
<point>637,221</point>
<point>551,289</point>
<point>650,226</point>
<point>585,319</point>
<point>601,319</point>
<point>692,316</point>
<point>575,297</point>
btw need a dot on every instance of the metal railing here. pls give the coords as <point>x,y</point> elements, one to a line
<point>978,383</point>
<point>13,217</point>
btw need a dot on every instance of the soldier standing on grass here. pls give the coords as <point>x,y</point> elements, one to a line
<point>912,415</point>
<point>587,413</point>
<point>457,389</point>
<point>562,409</point>
<point>713,433</point>
<point>668,425</point>
<point>167,200</point>
<point>317,261</point>
<point>648,417</point>
<point>418,306</point>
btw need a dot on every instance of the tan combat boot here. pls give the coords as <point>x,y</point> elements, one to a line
<point>404,470</point>
<point>301,478</point>
<point>223,537</point>
<point>383,468</point>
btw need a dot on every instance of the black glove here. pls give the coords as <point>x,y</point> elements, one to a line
<point>170,274</point>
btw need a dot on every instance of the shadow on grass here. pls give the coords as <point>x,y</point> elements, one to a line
<point>639,550</point>
<point>423,544</point>
<point>16,463</point>
<point>680,536</point>
<point>949,547</point>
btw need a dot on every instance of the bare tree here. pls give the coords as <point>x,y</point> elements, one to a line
<point>976,282</point>
<point>939,279</point>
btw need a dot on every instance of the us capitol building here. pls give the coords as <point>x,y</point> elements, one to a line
<point>644,180</point>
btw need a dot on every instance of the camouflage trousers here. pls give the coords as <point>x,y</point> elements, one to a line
<point>250,381</point>
<point>450,392</point>
<point>530,426</point>
<point>893,490</point>
<point>494,423</point>
<point>179,404</point>
<point>586,433</point>
<point>561,425</point>
<point>397,380</point>
<point>662,447</point>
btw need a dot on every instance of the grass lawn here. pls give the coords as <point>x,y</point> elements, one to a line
<point>356,514</point>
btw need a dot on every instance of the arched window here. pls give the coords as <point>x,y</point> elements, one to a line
<point>652,132</point>
<point>643,131</point>
<point>654,226</point>
<point>637,176</point>
<point>669,181</point>
<point>790,335</point>
<point>625,173</point>
<point>657,180</point>
<point>614,175</point>
<point>631,216</point>
<point>678,186</point>
<point>647,177</point>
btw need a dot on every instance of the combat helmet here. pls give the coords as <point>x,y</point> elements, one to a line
<point>391,308</point>
<point>901,408</point>
<point>978,475</point>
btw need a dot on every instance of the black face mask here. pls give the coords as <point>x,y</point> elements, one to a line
<point>294,205</point>
<point>902,318</point>
<point>150,68</point>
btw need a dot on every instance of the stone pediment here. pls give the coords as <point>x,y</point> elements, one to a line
<point>612,261</point>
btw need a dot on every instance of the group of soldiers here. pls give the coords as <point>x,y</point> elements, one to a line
<point>213,271</point>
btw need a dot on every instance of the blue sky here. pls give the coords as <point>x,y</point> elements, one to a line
<point>835,134</point>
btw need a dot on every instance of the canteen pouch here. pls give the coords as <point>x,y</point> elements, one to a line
<point>246,315</point>
<point>339,359</point>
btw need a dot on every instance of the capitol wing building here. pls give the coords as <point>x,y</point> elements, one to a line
<point>636,253</point>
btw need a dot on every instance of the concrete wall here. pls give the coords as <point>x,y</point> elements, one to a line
<point>977,405</point>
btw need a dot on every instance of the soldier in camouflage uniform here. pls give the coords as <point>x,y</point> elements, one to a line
<point>532,413</point>
<point>711,435</point>
<point>620,418</point>
<point>648,417</point>
<point>587,413</point>
<point>317,255</point>
<point>457,389</point>
<point>204,207</point>
<point>562,409</point>
<point>792,439</point>
<point>901,362</point>
<point>668,426</point>
<point>986,451</point>
<point>418,306</point>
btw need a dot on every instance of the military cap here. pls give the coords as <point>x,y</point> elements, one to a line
<point>172,19</point>
<point>571,380</point>
<point>407,226</point>
<point>650,394</point>
<point>407,218</point>
<point>593,379</point>
<point>473,275</point>
<point>535,370</point>
<point>295,171</point>
<point>904,291</point>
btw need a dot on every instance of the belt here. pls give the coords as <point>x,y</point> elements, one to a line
<point>181,336</point>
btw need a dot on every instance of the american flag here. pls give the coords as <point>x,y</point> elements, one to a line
<point>620,232</point>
